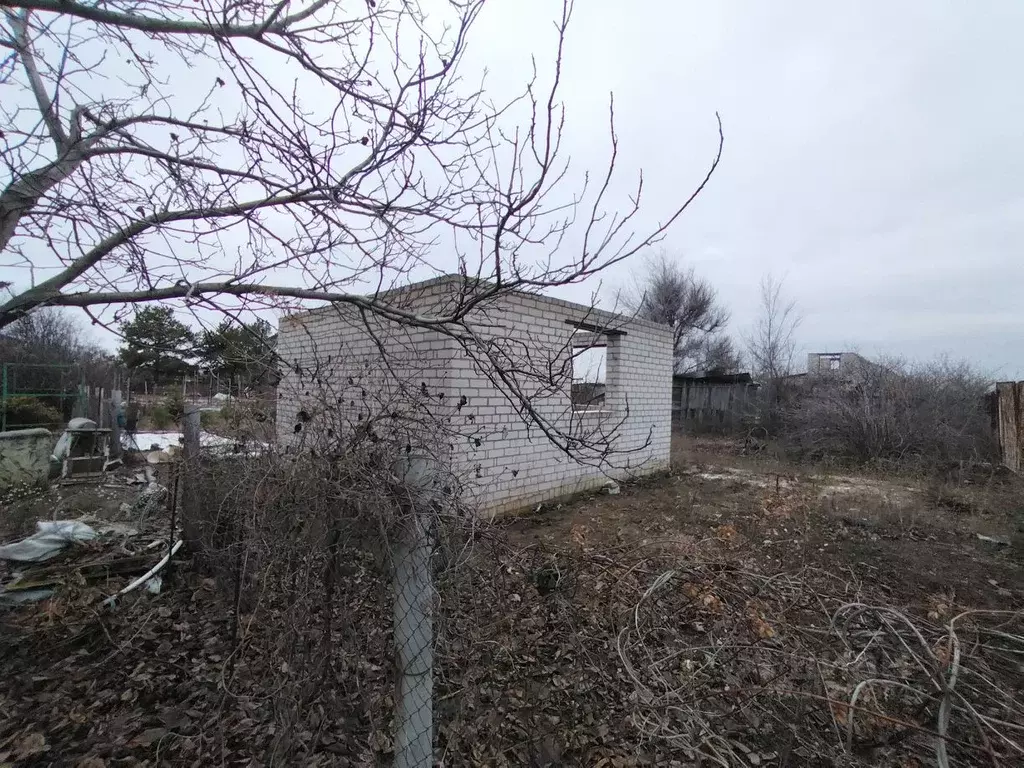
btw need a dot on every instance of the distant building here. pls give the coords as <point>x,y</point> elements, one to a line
<point>842,364</point>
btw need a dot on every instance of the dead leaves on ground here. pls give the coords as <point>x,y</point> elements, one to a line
<point>523,678</point>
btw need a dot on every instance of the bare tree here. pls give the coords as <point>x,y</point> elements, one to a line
<point>318,152</point>
<point>771,344</point>
<point>771,347</point>
<point>48,353</point>
<point>244,156</point>
<point>669,293</point>
<point>719,355</point>
<point>47,336</point>
<point>53,337</point>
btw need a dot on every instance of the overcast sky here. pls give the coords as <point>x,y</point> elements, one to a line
<point>874,154</point>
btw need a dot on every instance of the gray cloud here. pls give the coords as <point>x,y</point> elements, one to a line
<point>874,155</point>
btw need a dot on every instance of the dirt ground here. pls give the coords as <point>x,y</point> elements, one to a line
<point>736,611</point>
<point>912,538</point>
<point>774,561</point>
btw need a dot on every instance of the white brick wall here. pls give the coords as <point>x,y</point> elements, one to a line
<point>507,462</point>
<point>335,371</point>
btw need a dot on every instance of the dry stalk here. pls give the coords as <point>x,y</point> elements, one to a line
<point>689,687</point>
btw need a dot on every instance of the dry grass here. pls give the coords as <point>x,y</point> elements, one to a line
<point>718,654</point>
<point>739,611</point>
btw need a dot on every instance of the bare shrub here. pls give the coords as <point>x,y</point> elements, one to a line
<point>894,414</point>
<point>329,553</point>
<point>771,346</point>
<point>305,546</point>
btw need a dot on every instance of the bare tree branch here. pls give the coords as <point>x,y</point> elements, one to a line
<point>19,28</point>
<point>319,153</point>
<point>274,23</point>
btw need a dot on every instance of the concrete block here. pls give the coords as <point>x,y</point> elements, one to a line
<point>25,457</point>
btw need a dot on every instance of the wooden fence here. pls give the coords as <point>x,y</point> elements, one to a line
<point>712,403</point>
<point>1010,399</point>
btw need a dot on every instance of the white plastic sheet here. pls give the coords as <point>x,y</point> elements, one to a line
<point>51,537</point>
<point>63,447</point>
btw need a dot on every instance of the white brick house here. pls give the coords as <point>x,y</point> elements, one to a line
<point>337,360</point>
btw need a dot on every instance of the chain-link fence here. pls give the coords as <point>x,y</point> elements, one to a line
<point>328,562</point>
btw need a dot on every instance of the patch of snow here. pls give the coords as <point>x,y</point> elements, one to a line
<point>154,441</point>
<point>161,441</point>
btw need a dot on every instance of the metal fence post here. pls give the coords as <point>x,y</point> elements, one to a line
<point>115,424</point>
<point>189,471</point>
<point>3,427</point>
<point>414,621</point>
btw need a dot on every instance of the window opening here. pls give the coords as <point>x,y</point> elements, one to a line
<point>589,370</point>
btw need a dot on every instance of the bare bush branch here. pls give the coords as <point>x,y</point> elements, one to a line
<point>896,414</point>
<point>319,153</point>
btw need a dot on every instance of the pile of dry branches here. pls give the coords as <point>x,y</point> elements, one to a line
<point>809,670</point>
